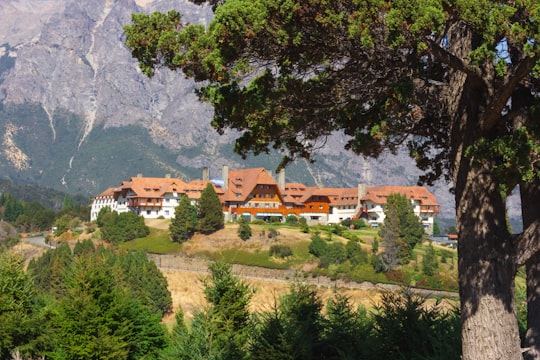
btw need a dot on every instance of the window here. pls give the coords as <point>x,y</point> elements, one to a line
<point>148,212</point>
<point>167,212</point>
<point>167,200</point>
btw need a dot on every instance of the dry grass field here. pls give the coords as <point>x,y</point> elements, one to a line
<point>187,292</point>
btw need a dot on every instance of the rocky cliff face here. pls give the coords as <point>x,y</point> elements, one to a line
<point>68,57</point>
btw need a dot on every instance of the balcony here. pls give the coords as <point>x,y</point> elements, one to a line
<point>139,203</point>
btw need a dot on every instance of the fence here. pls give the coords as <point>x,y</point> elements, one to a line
<point>191,264</point>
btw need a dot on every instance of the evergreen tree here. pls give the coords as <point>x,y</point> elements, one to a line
<point>184,224</point>
<point>401,230</point>
<point>210,214</point>
<point>123,227</point>
<point>429,261</point>
<point>222,331</point>
<point>244,230</point>
<point>347,330</point>
<point>18,326</point>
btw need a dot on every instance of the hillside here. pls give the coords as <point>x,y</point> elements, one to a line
<point>77,114</point>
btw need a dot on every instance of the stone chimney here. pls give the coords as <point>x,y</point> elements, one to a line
<point>139,175</point>
<point>167,176</point>
<point>281,179</point>
<point>206,173</point>
<point>361,193</point>
<point>225,176</point>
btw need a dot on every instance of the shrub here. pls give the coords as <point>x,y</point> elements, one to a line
<point>244,230</point>
<point>273,233</point>
<point>281,251</point>
<point>291,220</point>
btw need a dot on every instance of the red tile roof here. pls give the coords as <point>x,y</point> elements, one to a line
<point>242,183</point>
<point>150,187</point>
<point>378,194</point>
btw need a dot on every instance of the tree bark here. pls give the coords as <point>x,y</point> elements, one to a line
<point>530,200</point>
<point>486,268</point>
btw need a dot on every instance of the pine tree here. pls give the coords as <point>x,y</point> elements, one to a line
<point>402,229</point>
<point>210,215</point>
<point>429,261</point>
<point>184,224</point>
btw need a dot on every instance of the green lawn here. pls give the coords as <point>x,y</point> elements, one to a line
<point>157,242</point>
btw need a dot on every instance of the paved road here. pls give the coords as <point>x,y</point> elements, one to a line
<point>38,241</point>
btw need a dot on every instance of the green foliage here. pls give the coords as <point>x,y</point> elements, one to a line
<point>429,261</point>
<point>400,232</point>
<point>281,251</point>
<point>436,228</point>
<point>244,230</point>
<point>406,328</point>
<point>102,212</point>
<point>210,214</point>
<point>184,224</point>
<point>16,306</point>
<point>355,253</point>
<point>318,245</point>
<point>222,331</point>
<point>103,305</point>
<point>123,227</point>
<point>291,220</point>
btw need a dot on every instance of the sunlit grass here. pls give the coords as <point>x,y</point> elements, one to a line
<point>157,242</point>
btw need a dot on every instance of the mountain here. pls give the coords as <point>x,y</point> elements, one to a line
<point>78,115</point>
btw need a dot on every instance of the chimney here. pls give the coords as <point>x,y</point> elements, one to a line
<point>139,175</point>
<point>206,173</point>
<point>167,176</point>
<point>225,176</point>
<point>281,179</point>
<point>361,193</point>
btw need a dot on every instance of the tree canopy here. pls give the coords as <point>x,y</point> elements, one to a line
<point>210,215</point>
<point>455,82</point>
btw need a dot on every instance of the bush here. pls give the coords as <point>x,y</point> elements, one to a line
<point>291,220</point>
<point>281,251</point>
<point>273,233</point>
<point>244,230</point>
<point>258,222</point>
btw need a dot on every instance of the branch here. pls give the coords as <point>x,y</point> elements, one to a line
<point>455,62</point>
<point>503,93</point>
<point>528,243</point>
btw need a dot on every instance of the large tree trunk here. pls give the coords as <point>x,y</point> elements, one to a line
<point>486,268</point>
<point>530,205</point>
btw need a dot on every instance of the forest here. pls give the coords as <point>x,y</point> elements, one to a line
<point>92,303</point>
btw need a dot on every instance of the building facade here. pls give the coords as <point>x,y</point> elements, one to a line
<point>255,194</point>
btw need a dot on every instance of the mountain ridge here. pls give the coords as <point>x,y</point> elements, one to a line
<point>77,113</point>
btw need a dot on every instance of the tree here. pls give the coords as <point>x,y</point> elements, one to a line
<point>16,305</point>
<point>122,227</point>
<point>223,329</point>
<point>244,230</point>
<point>210,215</point>
<point>184,224</point>
<point>402,229</point>
<point>429,261</point>
<point>455,82</point>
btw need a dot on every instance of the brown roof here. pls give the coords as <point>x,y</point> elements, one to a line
<point>150,187</point>
<point>378,194</point>
<point>347,197</point>
<point>194,188</point>
<point>107,193</point>
<point>243,182</point>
